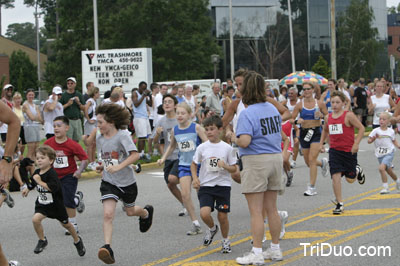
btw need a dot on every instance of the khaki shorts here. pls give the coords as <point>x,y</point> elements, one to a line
<point>261,172</point>
<point>75,130</point>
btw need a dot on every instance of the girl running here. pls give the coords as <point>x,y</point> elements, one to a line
<point>343,147</point>
<point>187,135</point>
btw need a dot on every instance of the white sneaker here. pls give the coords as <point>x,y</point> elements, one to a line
<point>311,191</point>
<point>284,218</point>
<point>251,258</point>
<point>274,255</point>
<point>14,263</point>
<point>385,191</point>
<point>226,246</point>
<point>325,167</point>
<point>196,229</point>
<point>293,164</point>
<point>183,212</point>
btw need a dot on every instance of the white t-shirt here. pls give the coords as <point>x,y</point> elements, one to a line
<point>384,143</point>
<point>207,154</point>
<point>158,100</point>
<point>119,102</point>
<point>382,105</point>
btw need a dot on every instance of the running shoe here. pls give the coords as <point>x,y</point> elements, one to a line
<point>145,223</point>
<point>8,200</point>
<point>284,218</point>
<point>290,176</point>
<point>311,191</point>
<point>196,229</point>
<point>339,208</point>
<point>14,263</point>
<point>325,167</point>
<point>226,246</point>
<point>138,168</point>
<point>208,238</point>
<point>360,175</point>
<point>274,255</point>
<point>80,247</point>
<point>250,258</point>
<point>183,212</point>
<point>81,204</point>
<point>40,246</point>
<point>106,254</point>
<point>293,164</point>
<point>385,191</point>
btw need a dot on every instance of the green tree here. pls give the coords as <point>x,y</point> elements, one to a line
<point>24,33</point>
<point>321,67</point>
<point>23,73</point>
<point>5,4</point>
<point>357,41</point>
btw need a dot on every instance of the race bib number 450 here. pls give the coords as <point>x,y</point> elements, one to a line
<point>61,162</point>
<point>212,165</point>
<point>186,146</point>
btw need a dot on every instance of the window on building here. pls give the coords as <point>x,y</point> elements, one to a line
<point>389,40</point>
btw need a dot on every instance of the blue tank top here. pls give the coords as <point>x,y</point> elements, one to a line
<point>308,114</point>
<point>141,110</point>
<point>328,104</point>
<point>187,141</point>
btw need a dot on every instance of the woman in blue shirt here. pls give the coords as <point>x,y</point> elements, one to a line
<point>259,140</point>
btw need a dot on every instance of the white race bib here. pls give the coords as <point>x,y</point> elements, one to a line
<point>383,151</point>
<point>212,165</point>
<point>61,162</point>
<point>169,136</point>
<point>45,198</point>
<point>336,129</point>
<point>110,162</point>
<point>186,146</point>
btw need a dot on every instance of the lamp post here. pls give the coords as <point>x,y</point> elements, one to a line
<point>37,45</point>
<point>215,61</point>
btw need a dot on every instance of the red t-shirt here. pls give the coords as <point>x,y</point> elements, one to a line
<point>64,163</point>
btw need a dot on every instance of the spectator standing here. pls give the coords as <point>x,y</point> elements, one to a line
<point>17,108</point>
<point>89,87</point>
<point>181,92</point>
<point>33,119</point>
<point>141,122</point>
<point>213,99</point>
<point>72,103</point>
<point>155,89</point>
<point>7,99</point>
<point>380,102</point>
<point>90,123</point>
<point>191,101</point>
<point>52,108</point>
<point>360,102</point>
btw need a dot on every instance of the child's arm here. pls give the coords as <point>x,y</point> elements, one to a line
<point>196,181</point>
<point>158,133</point>
<point>230,168</point>
<point>82,168</point>
<point>133,157</point>
<point>396,143</point>
<point>357,124</point>
<point>169,150</point>
<point>39,181</point>
<point>201,132</point>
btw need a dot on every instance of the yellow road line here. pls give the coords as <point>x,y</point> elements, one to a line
<point>362,212</point>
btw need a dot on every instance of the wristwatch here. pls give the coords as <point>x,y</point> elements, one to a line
<point>7,158</point>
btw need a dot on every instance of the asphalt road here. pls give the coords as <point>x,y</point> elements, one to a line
<point>369,226</point>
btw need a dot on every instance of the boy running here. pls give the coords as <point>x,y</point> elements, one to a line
<point>66,168</point>
<point>49,202</point>
<point>385,142</point>
<point>214,182</point>
<point>116,153</point>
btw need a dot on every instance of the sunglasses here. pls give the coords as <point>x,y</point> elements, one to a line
<point>306,89</point>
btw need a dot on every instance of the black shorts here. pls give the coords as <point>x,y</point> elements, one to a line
<point>126,194</point>
<point>217,196</point>
<point>170,168</point>
<point>22,136</point>
<point>151,124</point>
<point>316,137</point>
<point>342,162</point>
<point>3,137</point>
<point>69,184</point>
<point>53,211</point>
<point>49,135</point>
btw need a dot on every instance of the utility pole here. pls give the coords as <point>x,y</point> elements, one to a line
<point>333,40</point>
<point>37,45</point>
<point>291,37</point>
<point>96,32</point>
<point>232,54</point>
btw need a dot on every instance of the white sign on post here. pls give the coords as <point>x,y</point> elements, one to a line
<point>126,66</point>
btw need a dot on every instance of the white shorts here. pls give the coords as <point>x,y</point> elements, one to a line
<point>142,127</point>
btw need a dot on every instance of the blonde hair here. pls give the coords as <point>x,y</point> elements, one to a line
<point>16,95</point>
<point>386,114</point>
<point>185,106</point>
<point>118,89</point>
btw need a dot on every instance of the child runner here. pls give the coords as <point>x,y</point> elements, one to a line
<point>214,182</point>
<point>49,202</point>
<point>343,147</point>
<point>187,135</point>
<point>385,142</point>
<point>66,168</point>
<point>116,154</point>
<point>165,127</point>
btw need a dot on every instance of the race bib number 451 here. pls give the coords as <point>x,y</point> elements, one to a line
<point>186,146</point>
<point>61,162</point>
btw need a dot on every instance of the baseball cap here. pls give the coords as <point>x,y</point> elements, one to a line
<point>72,79</point>
<point>8,86</point>
<point>57,90</point>
<point>117,84</point>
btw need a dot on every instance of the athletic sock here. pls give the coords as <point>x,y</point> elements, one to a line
<point>76,200</point>
<point>385,185</point>
<point>213,228</point>
<point>257,250</point>
<point>196,222</point>
<point>274,246</point>
<point>73,221</point>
